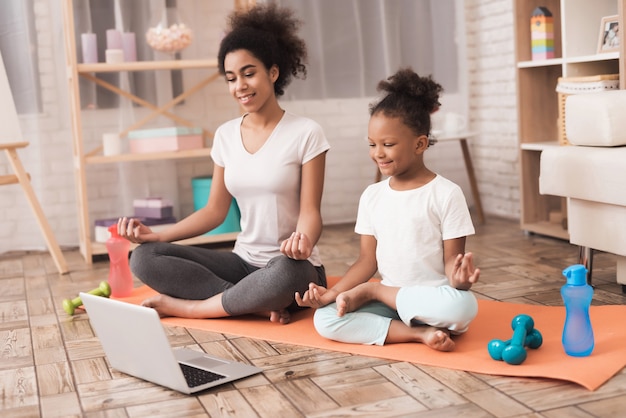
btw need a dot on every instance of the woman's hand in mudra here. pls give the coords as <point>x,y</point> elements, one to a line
<point>315,297</point>
<point>133,230</point>
<point>297,246</point>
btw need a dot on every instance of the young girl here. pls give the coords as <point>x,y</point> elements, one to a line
<point>413,227</point>
<point>273,163</point>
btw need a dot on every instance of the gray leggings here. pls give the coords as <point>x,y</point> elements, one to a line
<point>188,272</point>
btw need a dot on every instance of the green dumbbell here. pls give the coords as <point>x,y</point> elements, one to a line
<point>71,304</point>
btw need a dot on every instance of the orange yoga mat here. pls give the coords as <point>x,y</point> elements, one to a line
<point>493,321</point>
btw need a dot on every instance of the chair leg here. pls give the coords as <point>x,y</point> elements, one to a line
<point>585,257</point>
<point>621,272</point>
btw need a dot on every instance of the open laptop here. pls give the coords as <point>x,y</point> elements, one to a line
<point>135,343</point>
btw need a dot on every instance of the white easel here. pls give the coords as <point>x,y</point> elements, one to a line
<point>10,141</point>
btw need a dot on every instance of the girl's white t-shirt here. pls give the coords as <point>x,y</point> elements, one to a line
<point>266,184</point>
<point>410,227</point>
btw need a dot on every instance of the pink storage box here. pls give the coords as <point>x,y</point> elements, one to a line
<point>165,139</point>
<point>171,143</point>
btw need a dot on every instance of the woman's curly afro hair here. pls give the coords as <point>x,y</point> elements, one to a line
<point>270,34</point>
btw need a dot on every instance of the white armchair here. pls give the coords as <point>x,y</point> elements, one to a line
<point>591,174</point>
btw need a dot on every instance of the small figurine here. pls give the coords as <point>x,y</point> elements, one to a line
<point>542,34</point>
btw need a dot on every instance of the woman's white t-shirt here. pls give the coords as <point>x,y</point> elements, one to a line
<point>410,227</point>
<point>266,184</point>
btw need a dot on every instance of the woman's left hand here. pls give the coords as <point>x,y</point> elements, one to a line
<point>297,246</point>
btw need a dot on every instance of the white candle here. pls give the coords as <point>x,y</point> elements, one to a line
<point>114,56</point>
<point>114,39</point>
<point>129,46</point>
<point>89,47</point>
<point>111,144</point>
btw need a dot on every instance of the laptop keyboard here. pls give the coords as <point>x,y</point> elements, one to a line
<point>196,377</point>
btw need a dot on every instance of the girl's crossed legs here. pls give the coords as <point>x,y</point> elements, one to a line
<point>414,314</point>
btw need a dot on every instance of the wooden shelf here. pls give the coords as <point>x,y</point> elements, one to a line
<point>576,26</point>
<point>83,158</point>
<point>593,58</point>
<point>540,63</point>
<point>152,156</point>
<point>546,228</point>
<point>145,66</point>
<point>569,60</point>
<point>539,146</point>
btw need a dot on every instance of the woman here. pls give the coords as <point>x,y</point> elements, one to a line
<point>272,162</point>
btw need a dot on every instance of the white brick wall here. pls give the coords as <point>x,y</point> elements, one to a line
<point>348,166</point>
<point>492,104</point>
<point>48,157</point>
<point>349,169</point>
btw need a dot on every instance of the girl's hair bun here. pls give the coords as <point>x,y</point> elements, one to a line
<point>406,82</point>
<point>409,97</point>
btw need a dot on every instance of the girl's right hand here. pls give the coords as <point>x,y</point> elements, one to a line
<point>133,230</point>
<point>316,297</point>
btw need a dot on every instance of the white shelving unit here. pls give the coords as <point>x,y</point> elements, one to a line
<point>83,159</point>
<point>577,31</point>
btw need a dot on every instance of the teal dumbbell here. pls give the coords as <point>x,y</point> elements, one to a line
<point>70,305</point>
<point>513,351</point>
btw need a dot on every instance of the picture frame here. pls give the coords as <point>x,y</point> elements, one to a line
<point>608,40</point>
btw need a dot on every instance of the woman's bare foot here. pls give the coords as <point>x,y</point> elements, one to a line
<point>353,299</point>
<point>282,317</point>
<point>435,338</point>
<point>169,306</point>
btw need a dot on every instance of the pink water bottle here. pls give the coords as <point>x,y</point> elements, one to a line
<point>120,277</point>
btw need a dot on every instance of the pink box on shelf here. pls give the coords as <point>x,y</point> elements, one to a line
<point>172,143</point>
<point>165,139</point>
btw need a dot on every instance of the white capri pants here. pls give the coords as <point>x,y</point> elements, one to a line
<point>441,307</point>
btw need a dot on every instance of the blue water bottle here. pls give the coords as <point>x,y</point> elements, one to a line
<point>577,294</point>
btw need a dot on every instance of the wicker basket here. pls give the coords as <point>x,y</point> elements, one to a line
<point>579,85</point>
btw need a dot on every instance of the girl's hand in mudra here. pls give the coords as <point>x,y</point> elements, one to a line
<point>464,274</point>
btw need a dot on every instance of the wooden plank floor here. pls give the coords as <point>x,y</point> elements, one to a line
<point>52,365</point>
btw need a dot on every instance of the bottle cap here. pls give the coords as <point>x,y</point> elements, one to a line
<point>113,230</point>
<point>576,275</point>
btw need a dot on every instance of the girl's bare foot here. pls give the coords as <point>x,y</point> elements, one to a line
<point>435,338</point>
<point>282,317</point>
<point>168,306</point>
<point>353,299</point>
